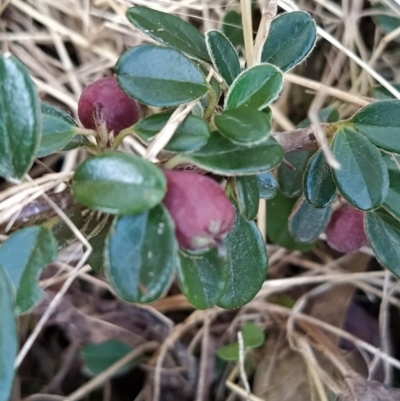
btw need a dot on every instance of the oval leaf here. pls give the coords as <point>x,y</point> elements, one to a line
<point>243,125</point>
<point>363,177</point>
<point>290,39</point>
<point>191,135</point>
<point>255,87</point>
<point>232,28</point>
<point>159,76</point>
<point>379,92</point>
<point>267,185</point>
<point>223,55</point>
<point>169,30</point>
<point>118,183</point>
<point>141,255</point>
<point>20,129</point>
<point>247,195</point>
<point>222,156</point>
<point>392,200</point>
<point>23,256</point>
<point>319,187</point>
<point>248,264</point>
<point>202,278</point>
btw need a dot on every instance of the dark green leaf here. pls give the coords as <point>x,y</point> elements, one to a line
<point>279,209</point>
<point>243,125</point>
<point>159,76</point>
<point>363,177</point>
<point>224,157</point>
<point>247,195</point>
<point>232,28</point>
<point>379,92</point>
<point>169,30</point>
<point>290,39</point>
<point>291,181</point>
<point>192,134</point>
<point>319,187</point>
<point>20,127</point>
<point>202,277</point>
<point>380,123</point>
<point>267,185</point>
<point>392,200</point>
<point>141,255</point>
<point>223,55</point>
<point>387,21</point>
<point>8,335</point>
<point>306,222</point>
<point>326,115</point>
<point>248,264</point>
<point>255,87</point>
<point>118,183</point>
<point>23,256</point>
<point>78,141</point>
<point>383,233</point>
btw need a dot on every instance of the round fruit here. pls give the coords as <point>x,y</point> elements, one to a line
<point>104,101</point>
<point>202,213</point>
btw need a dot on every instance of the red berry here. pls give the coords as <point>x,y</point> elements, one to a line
<point>202,213</point>
<point>104,100</point>
<point>345,231</point>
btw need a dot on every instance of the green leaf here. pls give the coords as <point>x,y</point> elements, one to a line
<point>387,21</point>
<point>306,222</point>
<point>232,28</point>
<point>202,277</point>
<point>247,195</point>
<point>255,87</point>
<point>20,125</point>
<point>58,128</point>
<point>98,357</point>
<point>243,125</point>
<point>291,181</point>
<point>383,233</point>
<point>159,76</point>
<point>325,115</point>
<point>169,30</point>
<point>318,185</point>
<point>279,210</point>
<point>8,335</point>
<point>267,185</point>
<point>191,135</point>
<point>23,256</point>
<point>380,123</point>
<point>223,55</point>
<point>141,255</point>
<point>79,141</point>
<point>223,157</point>
<point>392,200</point>
<point>379,92</point>
<point>363,177</point>
<point>290,39</point>
<point>118,183</point>
<point>248,264</point>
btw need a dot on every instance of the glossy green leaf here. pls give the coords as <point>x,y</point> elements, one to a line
<point>159,76</point>
<point>325,115</point>
<point>232,28</point>
<point>306,222</point>
<point>248,264</point>
<point>169,30</point>
<point>291,181</point>
<point>58,128</point>
<point>267,185</point>
<point>223,55</point>
<point>20,127</point>
<point>387,21</point>
<point>383,233</point>
<point>380,123</point>
<point>243,125</point>
<point>79,141</point>
<point>98,357</point>
<point>247,195</point>
<point>23,256</point>
<point>118,183</point>
<point>222,156</point>
<point>318,184</point>
<point>202,277</point>
<point>279,209</point>
<point>255,87</point>
<point>392,200</point>
<point>141,255</point>
<point>290,39</point>
<point>379,92</point>
<point>192,134</point>
<point>8,335</point>
<point>363,177</point>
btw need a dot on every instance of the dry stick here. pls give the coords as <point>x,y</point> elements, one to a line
<point>203,358</point>
<point>247,22</point>
<point>242,357</point>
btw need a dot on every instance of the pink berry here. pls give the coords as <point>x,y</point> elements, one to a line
<point>202,213</point>
<point>104,100</point>
<point>345,231</point>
